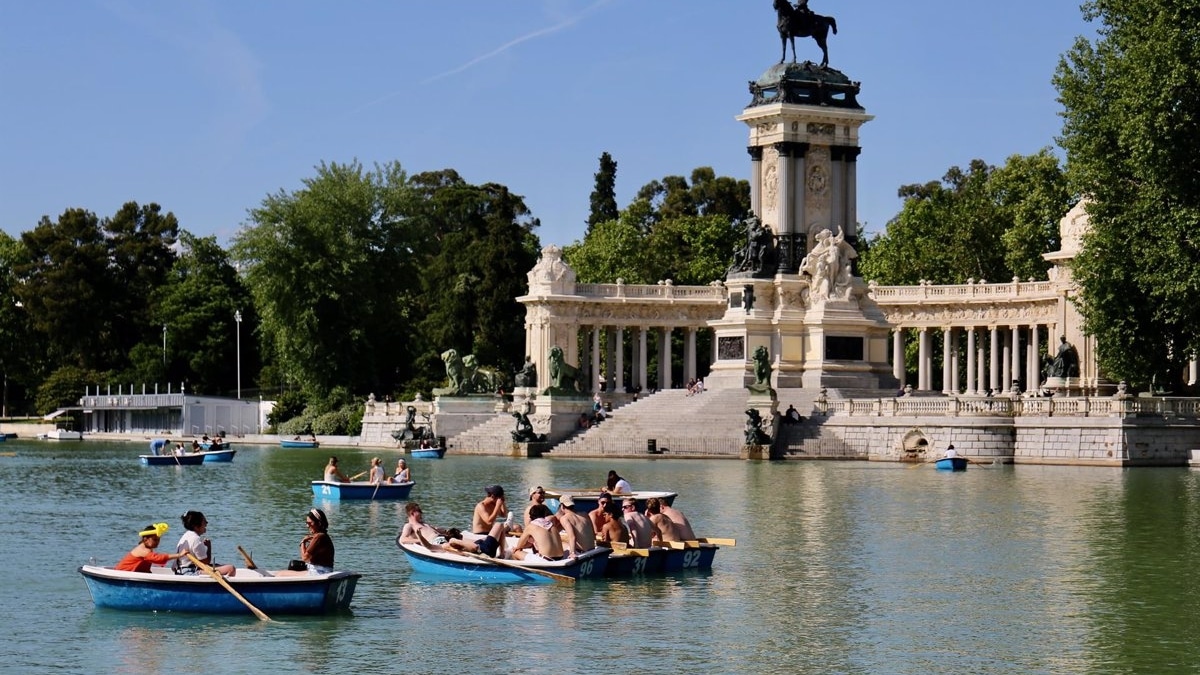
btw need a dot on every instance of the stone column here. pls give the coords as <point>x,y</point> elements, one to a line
<point>1016,356</point>
<point>1035,350</point>
<point>994,380</point>
<point>595,348</point>
<point>620,359</point>
<point>610,377</point>
<point>689,354</point>
<point>898,355</point>
<point>850,155</point>
<point>981,365</point>
<point>785,228</point>
<point>970,391</point>
<point>947,362</point>
<point>923,364</point>
<point>756,153</point>
<point>1192,372</point>
<point>642,380</point>
<point>664,359</point>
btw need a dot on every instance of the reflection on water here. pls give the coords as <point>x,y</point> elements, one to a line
<point>840,567</point>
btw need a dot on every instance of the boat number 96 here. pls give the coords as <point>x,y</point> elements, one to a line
<point>691,558</point>
<point>585,568</point>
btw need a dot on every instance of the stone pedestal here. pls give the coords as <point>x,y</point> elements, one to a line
<point>1064,386</point>
<point>454,415</point>
<point>557,416</point>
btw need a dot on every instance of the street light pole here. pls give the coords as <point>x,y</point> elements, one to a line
<point>164,344</point>
<point>237,317</point>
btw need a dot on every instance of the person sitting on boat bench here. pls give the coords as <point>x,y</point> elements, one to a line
<point>667,530</point>
<point>536,496</point>
<point>541,540</point>
<point>580,534</point>
<point>333,473</point>
<point>642,532</point>
<point>489,510</point>
<point>198,545</point>
<point>612,528</point>
<point>417,531</point>
<point>950,452</point>
<point>316,548</point>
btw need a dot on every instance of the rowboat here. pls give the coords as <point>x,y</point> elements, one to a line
<point>428,453</point>
<point>673,557</point>
<point>951,464</point>
<point>161,590</point>
<point>189,459</point>
<point>210,445</point>
<point>62,435</point>
<point>586,500</point>
<point>590,565</point>
<point>361,490</point>
<point>296,443</point>
<point>225,455</point>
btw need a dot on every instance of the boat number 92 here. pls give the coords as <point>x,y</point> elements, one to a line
<point>691,558</point>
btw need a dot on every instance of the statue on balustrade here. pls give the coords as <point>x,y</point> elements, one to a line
<point>527,375</point>
<point>524,432</point>
<point>755,435</point>
<point>760,255</point>
<point>1066,363</point>
<point>412,432</point>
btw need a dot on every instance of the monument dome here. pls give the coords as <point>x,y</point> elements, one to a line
<point>805,84</point>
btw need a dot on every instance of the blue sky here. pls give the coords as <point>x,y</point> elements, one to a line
<point>208,106</point>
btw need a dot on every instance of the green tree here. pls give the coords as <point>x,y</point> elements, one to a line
<point>141,248</point>
<point>1131,130</point>
<point>327,265</point>
<point>983,223</point>
<point>18,353</point>
<point>604,195</point>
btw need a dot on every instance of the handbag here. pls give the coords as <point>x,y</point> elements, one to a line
<point>297,566</point>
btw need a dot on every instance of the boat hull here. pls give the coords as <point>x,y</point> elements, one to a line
<point>661,560</point>
<point>951,464</point>
<point>334,490</point>
<point>217,455</point>
<point>171,460</point>
<point>223,445</point>
<point>428,453</point>
<point>590,565</point>
<point>164,591</point>
<point>589,501</point>
<point>299,444</point>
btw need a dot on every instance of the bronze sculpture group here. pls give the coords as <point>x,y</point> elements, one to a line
<point>800,21</point>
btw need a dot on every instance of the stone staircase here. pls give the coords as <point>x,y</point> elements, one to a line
<point>484,439</point>
<point>711,424</point>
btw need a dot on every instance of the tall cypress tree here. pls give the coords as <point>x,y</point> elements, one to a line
<point>604,196</point>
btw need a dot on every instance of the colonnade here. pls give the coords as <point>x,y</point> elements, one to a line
<point>997,358</point>
<point>608,373</point>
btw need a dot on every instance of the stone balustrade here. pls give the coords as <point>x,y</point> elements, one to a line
<point>964,406</point>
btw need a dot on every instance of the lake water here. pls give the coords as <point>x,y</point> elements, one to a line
<point>840,567</point>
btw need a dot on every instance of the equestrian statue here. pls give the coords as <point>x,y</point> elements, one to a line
<point>800,21</point>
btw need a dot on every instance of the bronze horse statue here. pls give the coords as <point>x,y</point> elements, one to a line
<point>795,22</point>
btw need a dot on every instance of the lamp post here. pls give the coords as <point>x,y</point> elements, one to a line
<point>237,317</point>
<point>164,344</point>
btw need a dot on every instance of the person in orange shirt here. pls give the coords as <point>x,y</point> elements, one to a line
<point>143,555</point>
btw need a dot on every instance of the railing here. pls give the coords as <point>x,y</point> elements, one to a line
<point>132,400</point>
<point>980,406</point>
<point>1022,290</point>
<point>650,291</point>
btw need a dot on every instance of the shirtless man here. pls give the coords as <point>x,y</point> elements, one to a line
<point>642,532</point>
<point>682,526</point>
<point>603,502</point>
<point>489,510</point>
<point>612,529</point>
<point>417,531</point>
<point>540,541</point>
<point>580,535</point>
<point>666,527</point>
<point>536,496</point>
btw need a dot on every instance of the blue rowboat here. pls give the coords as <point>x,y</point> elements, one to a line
<point>217,455</point>
<point>590,565</point>
<point>589,501</point>
<point>209,445</point>
<point>632,562</point>
<point>427,453</point>
<point>164,591</point>
<point>334,490</point>
<point>689,556</point>
<point>951,464</point>
<point>285,443</point>
<point>190,459</point>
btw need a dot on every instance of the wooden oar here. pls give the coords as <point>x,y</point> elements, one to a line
<point>250,563</point>
<point>358,475</point>
<point>221,580</point>
<point>561,578</point>
<point>719,541</point>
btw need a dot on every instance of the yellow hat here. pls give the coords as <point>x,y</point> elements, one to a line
<point>157,530</point>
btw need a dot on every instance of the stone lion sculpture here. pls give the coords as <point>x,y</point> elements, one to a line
<point>564,377</point>
<point>454,369</point>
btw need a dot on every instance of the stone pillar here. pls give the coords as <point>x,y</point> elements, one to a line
<point>981,365</point>
<point>1005,362</point>
<point>594,385</point>
<point>994,379</point>
<point>947,361</point>
<point>610,359</point>
<point>898,355</point>
<point>783,229</point>
<point>970,390</point>
<point>756,153</point>
<point>621,359</point>
<point>664,358</point>
<point>642,380</point>
<point>689,354</point>
<point>1016,355</point>
<point>1192,372</point>
<point>1035,350</point>
<point>923,364</point>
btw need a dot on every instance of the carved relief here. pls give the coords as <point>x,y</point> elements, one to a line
<point>770,186</point>
<point>731,348</point>
<point>1072,228</point>
<point>818,129</point>
<point>817,192</point>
